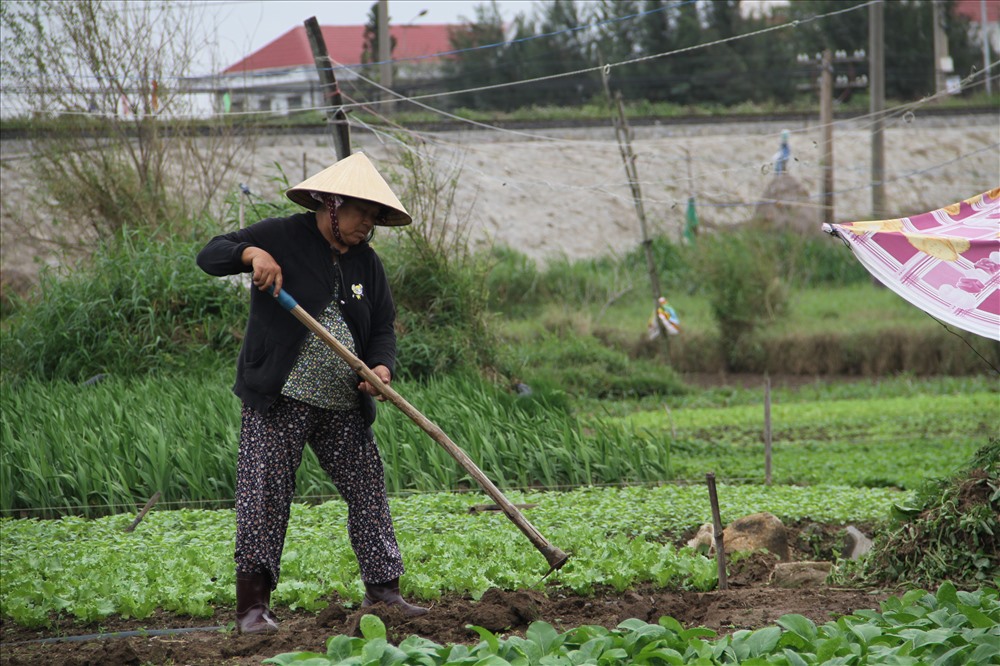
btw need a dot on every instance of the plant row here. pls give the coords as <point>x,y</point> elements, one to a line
<point>949,627</point>
<point>105,447</point>
<point>181,561</point>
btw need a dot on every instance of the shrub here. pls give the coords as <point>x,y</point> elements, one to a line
<point>140,304</point>
<point>584,281</point>
<point>673,263</point>
<point>819,261</point>
<point>438,284</point>
<point>584,367</point>
<point>741,276</point>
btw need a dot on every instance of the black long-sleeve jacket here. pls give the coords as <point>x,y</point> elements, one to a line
<point>273,335</point>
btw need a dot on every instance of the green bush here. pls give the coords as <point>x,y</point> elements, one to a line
<point>584,367</point>
<point>438,284</point>
<point>948,532</point>
<point>741,276</point>
<point>138,305</point>
<point>673,264</point>
<point>820,261</point>
<point>442,316</point>
<point>584,282</point>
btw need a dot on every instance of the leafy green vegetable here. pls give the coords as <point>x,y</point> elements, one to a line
<point>919,628</point>
<point>617,536</point>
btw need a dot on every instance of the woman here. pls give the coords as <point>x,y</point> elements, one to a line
<point>295,389</point>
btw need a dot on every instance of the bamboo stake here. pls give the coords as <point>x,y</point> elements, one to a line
<point>720,549</point>
<point>767,430</point>
<point>555,557</point>
<point>623,134</point>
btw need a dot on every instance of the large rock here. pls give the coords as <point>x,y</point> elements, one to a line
<point>856,544</point>
<point>760,530</point>
<point>800,574</point>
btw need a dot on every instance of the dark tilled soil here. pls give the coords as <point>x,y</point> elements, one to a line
<point>749,603</point>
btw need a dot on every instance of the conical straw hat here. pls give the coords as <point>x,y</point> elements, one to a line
<point>353,176</point>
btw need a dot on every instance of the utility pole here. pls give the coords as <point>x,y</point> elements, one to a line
<point>385,55</point>
<point>984,35</point>
<point>826,122</point>
<point>876,67</point>
<point>335,115</point>
<point>942,61</point>
<point>825,63</point>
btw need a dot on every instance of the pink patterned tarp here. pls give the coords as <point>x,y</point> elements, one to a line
<point>945,262</point>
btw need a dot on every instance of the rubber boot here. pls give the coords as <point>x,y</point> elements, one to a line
<point>388,593</point>
<point>253,596</point>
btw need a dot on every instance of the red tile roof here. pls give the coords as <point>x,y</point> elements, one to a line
<point>973,10</point>
<point>345,44</point>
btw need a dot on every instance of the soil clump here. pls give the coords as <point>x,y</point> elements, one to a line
<point>748,604</point>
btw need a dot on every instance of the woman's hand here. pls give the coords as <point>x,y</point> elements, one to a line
<point>266,271</point>
<point>382,373</point>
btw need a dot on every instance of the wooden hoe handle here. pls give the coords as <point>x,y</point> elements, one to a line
<point>555,557</point>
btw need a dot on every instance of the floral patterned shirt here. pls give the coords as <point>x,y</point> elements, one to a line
<point>320,377</point>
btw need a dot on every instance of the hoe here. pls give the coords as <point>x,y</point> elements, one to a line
<point>555,557</point>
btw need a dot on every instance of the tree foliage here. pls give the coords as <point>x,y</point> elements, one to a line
<point>106,83</point>
<point>688,52</point>
<point>370,51</point>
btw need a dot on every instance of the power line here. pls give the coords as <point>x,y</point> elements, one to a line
<point>906,108</point>
<point>607,67</point>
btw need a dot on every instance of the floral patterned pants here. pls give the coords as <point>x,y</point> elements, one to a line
<point>270,452</point>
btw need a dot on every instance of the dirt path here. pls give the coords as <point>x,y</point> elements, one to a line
<point>507,613</point>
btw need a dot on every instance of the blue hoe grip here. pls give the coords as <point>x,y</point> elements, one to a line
<point>285,299</point>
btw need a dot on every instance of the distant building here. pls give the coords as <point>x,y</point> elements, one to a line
<point>281,77</point>
<point>973,10</point>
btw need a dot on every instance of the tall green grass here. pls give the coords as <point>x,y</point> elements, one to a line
<point>101,448</point>
<point>93,449</point>
<point>519,441</point>
<point>108,447</point>
<point>138,305</point>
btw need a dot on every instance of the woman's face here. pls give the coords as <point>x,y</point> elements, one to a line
<point>356,218</point>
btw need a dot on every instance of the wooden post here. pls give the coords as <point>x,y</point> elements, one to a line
<point>767,430</point>
<point>876,79</point>
<point>623,134</point>
<point>687,158</point>
<point>335,115</point>
<point>720,550</point>
<point>826,121</point>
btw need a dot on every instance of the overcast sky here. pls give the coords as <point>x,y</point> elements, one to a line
<point>240,27</point>
<point>243,26</point>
